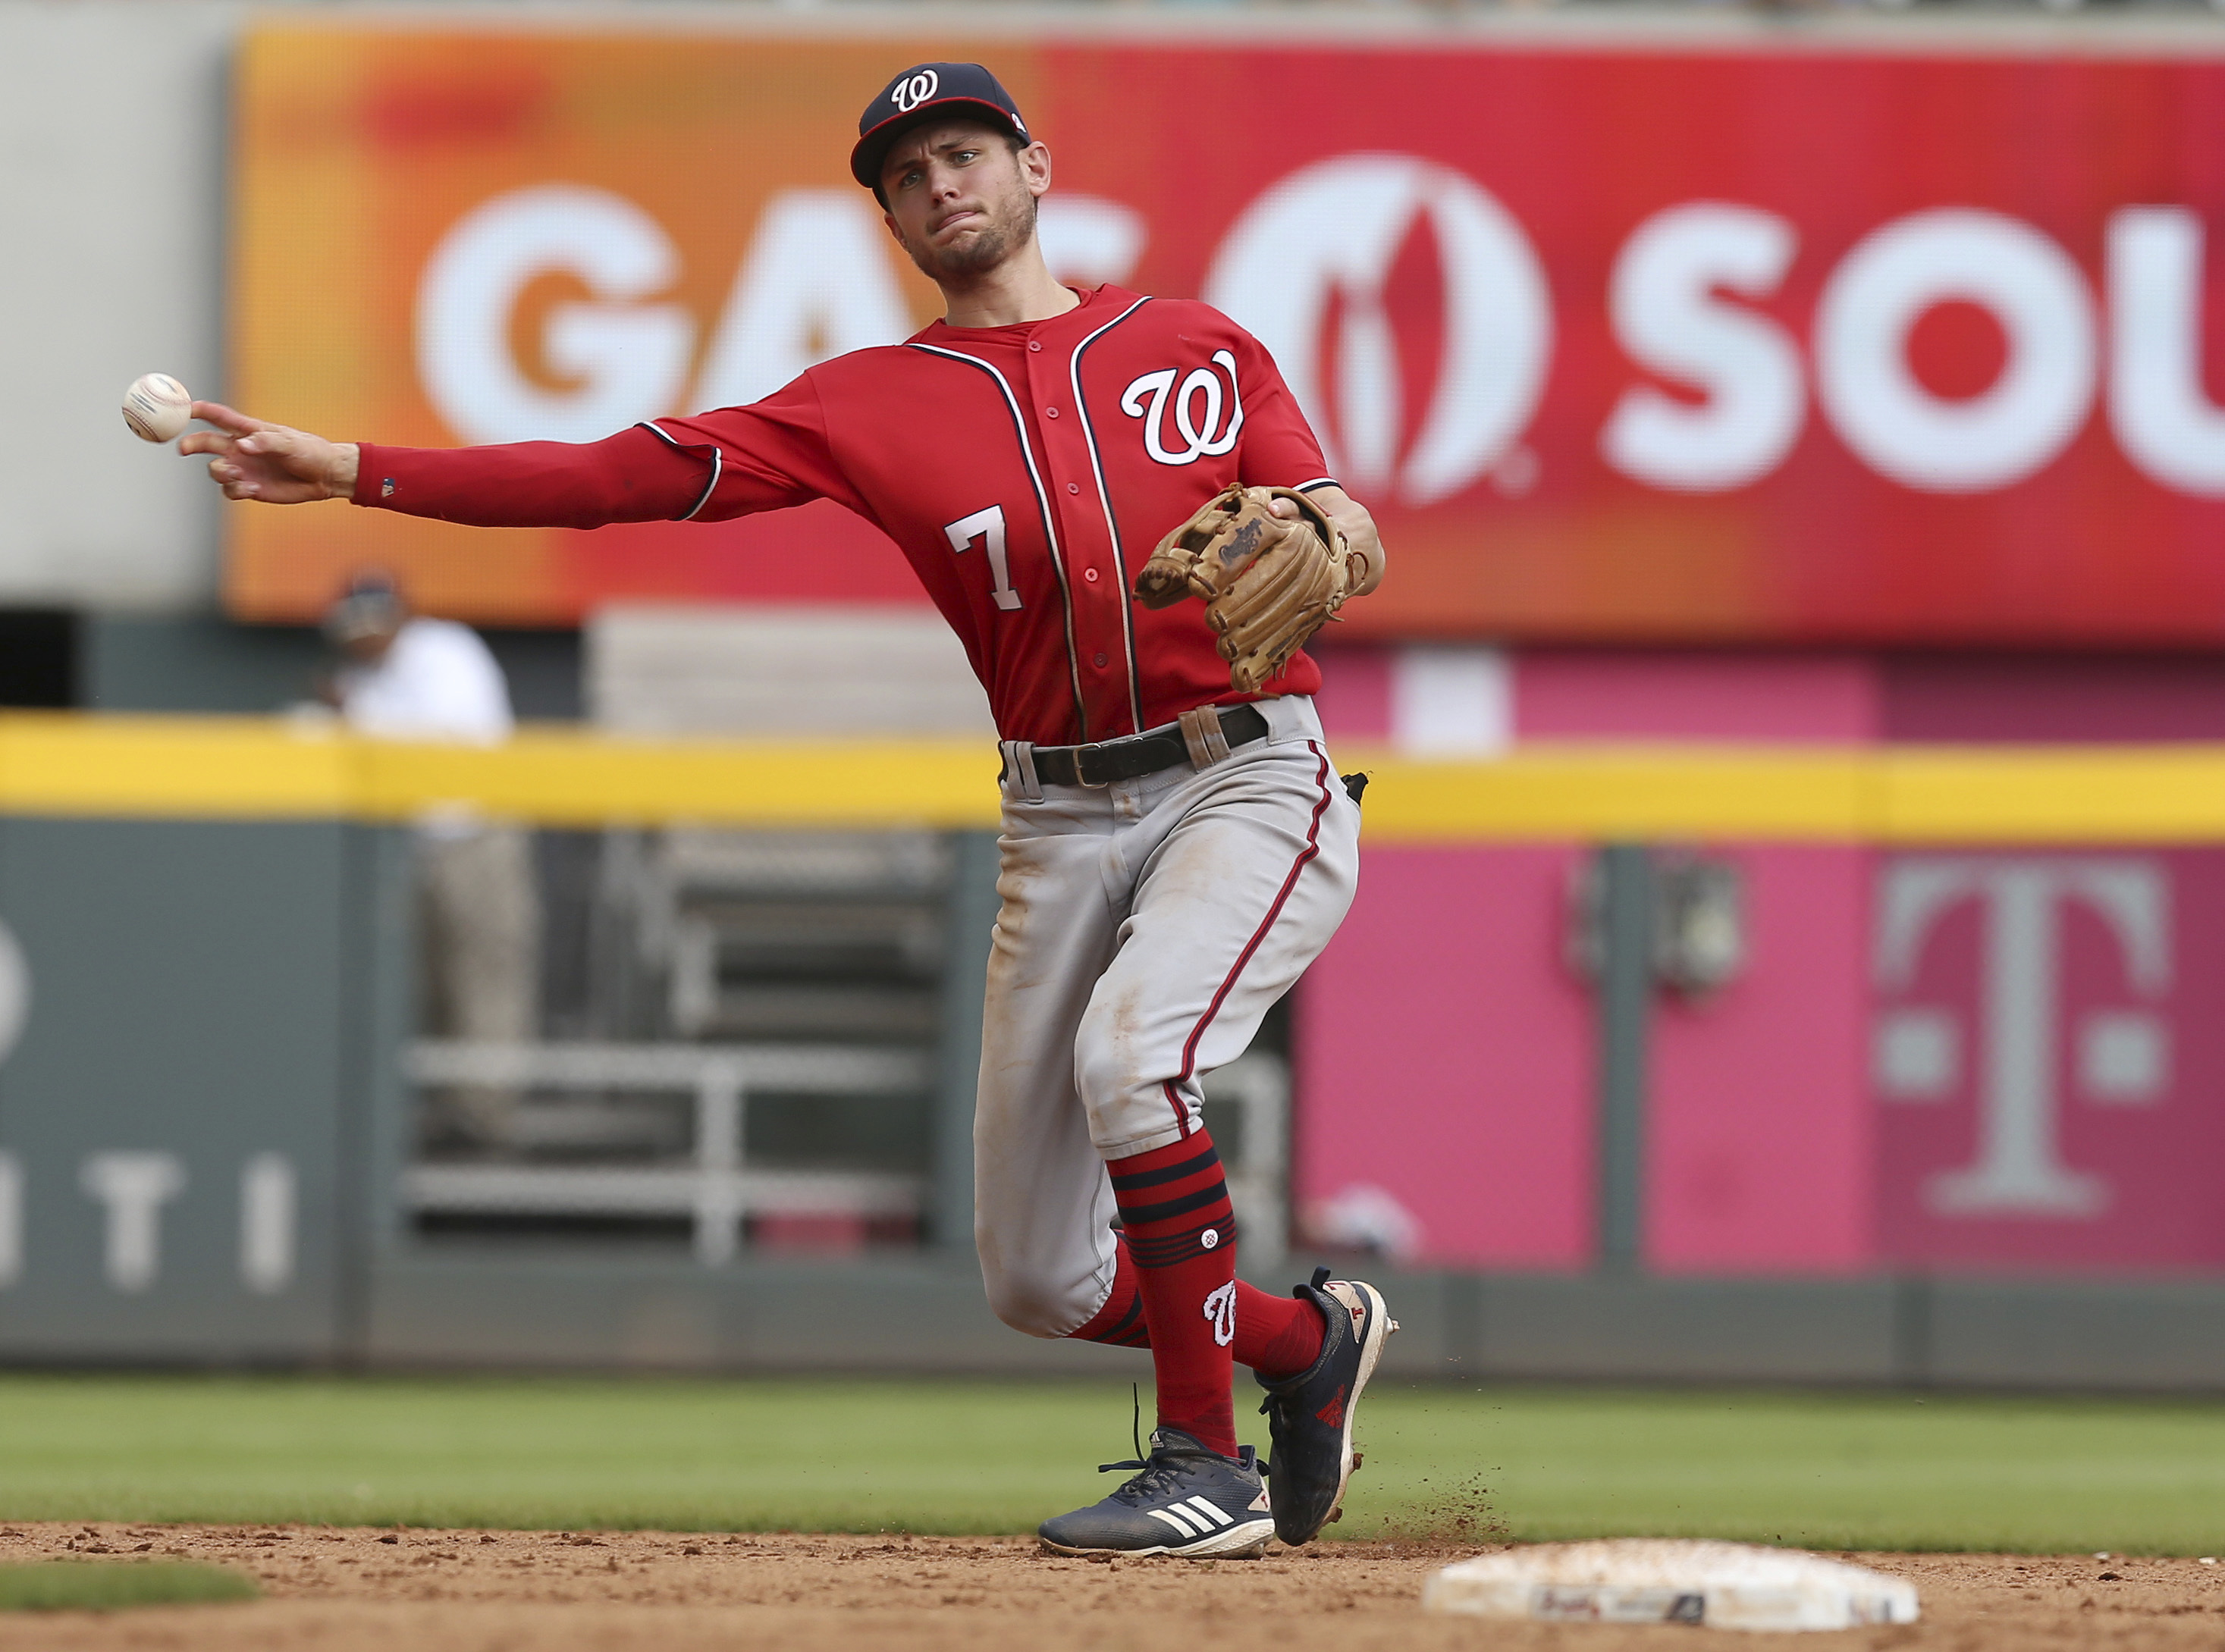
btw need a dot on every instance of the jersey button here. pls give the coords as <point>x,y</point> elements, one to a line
<point>1050,413</point>
<point>1090,574</point>
<point>1073,487</point>
<point>1101,660</point>
<point>1035,343</point>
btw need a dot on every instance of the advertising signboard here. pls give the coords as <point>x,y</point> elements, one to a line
<point>1800,344</point>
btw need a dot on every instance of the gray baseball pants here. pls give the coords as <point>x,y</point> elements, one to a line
<point>1146,928</point>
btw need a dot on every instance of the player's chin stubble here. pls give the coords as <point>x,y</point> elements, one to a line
<point>1013,227</point>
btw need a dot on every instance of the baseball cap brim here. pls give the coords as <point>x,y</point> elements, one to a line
<point>873,148</point>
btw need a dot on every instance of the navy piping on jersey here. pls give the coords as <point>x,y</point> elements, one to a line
<point>1050,527</point>
<point>1111,527</point>
<point>718,465</point>
<point>1318,482</point>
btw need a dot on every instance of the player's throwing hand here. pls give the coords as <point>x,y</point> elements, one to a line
<point>254,459</point>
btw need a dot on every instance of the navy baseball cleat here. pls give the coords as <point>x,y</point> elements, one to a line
<point>1309,1416</point>
<point>1188,1501</point>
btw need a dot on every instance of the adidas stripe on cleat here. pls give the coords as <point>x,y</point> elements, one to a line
<point>1193,1517</point>
<point>1188,1501</point>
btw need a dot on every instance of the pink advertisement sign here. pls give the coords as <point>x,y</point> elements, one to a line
<point>1951,1063</point>
<point>2047,1066</point>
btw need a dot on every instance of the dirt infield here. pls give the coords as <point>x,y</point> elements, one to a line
<point>337,1591</point>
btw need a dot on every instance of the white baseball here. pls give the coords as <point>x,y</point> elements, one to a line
<point>157,408</point>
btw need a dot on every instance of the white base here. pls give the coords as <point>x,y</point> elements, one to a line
<point>1647,1581</point>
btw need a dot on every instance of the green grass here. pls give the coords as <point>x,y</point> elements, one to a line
<point>104,1586</point>
<point>1824,1469</point>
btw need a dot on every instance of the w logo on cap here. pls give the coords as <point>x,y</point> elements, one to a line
<point>965,91</point>
<point>910,93</point>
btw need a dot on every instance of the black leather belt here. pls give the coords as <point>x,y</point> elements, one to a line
<point>1137,754</point>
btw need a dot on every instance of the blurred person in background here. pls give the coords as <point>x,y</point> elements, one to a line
<point>406,676</point>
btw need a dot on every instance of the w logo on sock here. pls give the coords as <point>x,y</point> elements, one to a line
<point>1220,1308</point>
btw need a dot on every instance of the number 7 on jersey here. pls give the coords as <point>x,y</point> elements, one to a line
<point>987,525</point>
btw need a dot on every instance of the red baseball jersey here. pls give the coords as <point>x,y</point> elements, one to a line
<point>1026,472</point>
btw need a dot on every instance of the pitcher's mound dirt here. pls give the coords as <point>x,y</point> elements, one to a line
<point>339,1590</point>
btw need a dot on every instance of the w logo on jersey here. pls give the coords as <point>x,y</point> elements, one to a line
<point>1196,409</point>
<point>1220,1308</point>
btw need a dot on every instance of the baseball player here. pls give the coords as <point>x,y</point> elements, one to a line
<point>1176,845</point>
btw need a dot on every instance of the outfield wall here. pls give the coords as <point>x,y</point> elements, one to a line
<point>206,991</point>
<point>1958,1044</point>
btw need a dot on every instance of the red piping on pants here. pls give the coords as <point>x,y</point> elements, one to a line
<point>1313,847</point>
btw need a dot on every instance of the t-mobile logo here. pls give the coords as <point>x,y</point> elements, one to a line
<point>2121,1056</point>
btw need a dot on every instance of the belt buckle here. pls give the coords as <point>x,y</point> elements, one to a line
<point>1082,755</point>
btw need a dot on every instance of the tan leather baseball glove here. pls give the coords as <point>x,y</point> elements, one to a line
<point>1269,582</point>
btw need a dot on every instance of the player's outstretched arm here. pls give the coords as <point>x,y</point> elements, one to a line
<point>1362,542</point>
<point>252,459</point>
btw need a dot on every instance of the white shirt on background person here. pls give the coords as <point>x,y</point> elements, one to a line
<point>438,680</point>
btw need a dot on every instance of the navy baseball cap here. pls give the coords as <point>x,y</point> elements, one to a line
<point>922,90</point>
<point>370,606</point>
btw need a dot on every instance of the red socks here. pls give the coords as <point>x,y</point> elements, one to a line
<point>1181,1235</point>
<point>1176,1292</point>
<point>1120,1321</point>
<point>1276,1336</point>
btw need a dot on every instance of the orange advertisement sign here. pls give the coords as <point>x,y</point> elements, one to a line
<point>1801,345</point>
